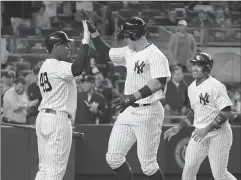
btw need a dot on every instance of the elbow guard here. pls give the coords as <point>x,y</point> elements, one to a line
<point>221,118</point>
<point>163,81</point>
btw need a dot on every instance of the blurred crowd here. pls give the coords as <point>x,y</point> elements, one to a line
<point>101,82</point>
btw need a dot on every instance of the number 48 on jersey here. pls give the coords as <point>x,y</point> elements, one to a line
<point>44,82</point>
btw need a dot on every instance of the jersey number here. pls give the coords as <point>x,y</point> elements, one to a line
<point>44,82</point>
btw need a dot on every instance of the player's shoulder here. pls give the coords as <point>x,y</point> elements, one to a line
<point>51,65</point>
<point>215,83</point>
<point>154,51</point>
<point>153,47</point>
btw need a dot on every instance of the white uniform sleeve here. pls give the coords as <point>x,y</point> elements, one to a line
<point>159,65</point>
<point>220,97</point>
<point>117,56</point>
<point>63,70</point>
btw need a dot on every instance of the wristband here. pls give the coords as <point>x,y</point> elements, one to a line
<point>84,41</point>
<point>145,91</point>
<point>94,34</point>
<point>220,119</point>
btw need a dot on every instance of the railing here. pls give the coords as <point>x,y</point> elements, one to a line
<point>218,33</point>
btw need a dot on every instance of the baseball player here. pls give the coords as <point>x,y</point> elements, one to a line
<point>59,99</point>
<point>211,109</point>
<point>141,113</point>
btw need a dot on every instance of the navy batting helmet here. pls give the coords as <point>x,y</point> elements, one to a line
<point>56,38</point>
<point>133,28</point>
<point>204,60</point>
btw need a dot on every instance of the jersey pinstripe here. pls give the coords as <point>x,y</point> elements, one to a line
<point>139,124</point>
<point>63,93</point>
<point>207,100</point>
<point>142,66</point>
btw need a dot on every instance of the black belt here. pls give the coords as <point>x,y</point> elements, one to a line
<point>140,105</point>
<point>52,111</point>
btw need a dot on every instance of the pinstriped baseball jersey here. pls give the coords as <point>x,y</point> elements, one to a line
<point>142,66</point>
<point>57,86</point>
<point>207,100</point>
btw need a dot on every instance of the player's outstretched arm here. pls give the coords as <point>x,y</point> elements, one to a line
<point>187,121</point>
<point>82,56</point>
<point>100,45</point>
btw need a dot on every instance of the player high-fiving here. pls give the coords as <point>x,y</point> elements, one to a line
<point>141,113</point>
<point>59,100</point>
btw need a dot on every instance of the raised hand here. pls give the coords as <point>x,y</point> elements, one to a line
<point>85,17</point>
<point>86,35</point>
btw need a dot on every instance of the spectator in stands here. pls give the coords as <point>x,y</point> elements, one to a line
<point>34,97</point>
<point>110,93</point>
<point>182,46</point>
<point>10,67</point>
<point>15,103</point>
<point>20,16</point>
<point>237,106</point>
<point>42,20</point>
<point>7,78</point>
<point>223,20</point>
<point>22,46</point>
<point>91,105</point>
<point>4,52</point>
<point>204,24</point>
<point>51,10</point>
<point>203,6</point>
<point>176,101</point>
<point>171,19</point>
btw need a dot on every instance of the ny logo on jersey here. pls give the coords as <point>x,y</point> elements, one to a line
<point>139,67</point>
<point>204,100</point>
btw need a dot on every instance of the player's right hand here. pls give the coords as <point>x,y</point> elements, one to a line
<point>171,132</point>
<point>86,35</point>
<point>85,17</point>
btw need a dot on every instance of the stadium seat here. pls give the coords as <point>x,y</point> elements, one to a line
<point>21,50</point>
<point>23,66</point>
<point>153,32</point>
<point>25,32</point>
<point>7,31</point>
<point>136,5</point>
<point>115,5</point>
<point>128,13</point>
<point>34,58</point>
<point>150,13</point>
<point>13,58</point>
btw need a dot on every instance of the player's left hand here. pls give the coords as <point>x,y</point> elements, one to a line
<point>121,103</point>
<point>199,134</point>
<point>85,17</point>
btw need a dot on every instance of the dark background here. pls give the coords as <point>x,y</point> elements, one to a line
<point>87,159</point>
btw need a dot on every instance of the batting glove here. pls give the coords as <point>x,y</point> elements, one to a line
<point>120,104</point>
<point>85,17</point>
<point>86,36</point>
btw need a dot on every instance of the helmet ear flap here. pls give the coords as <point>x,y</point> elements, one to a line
<point>134,36</point>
